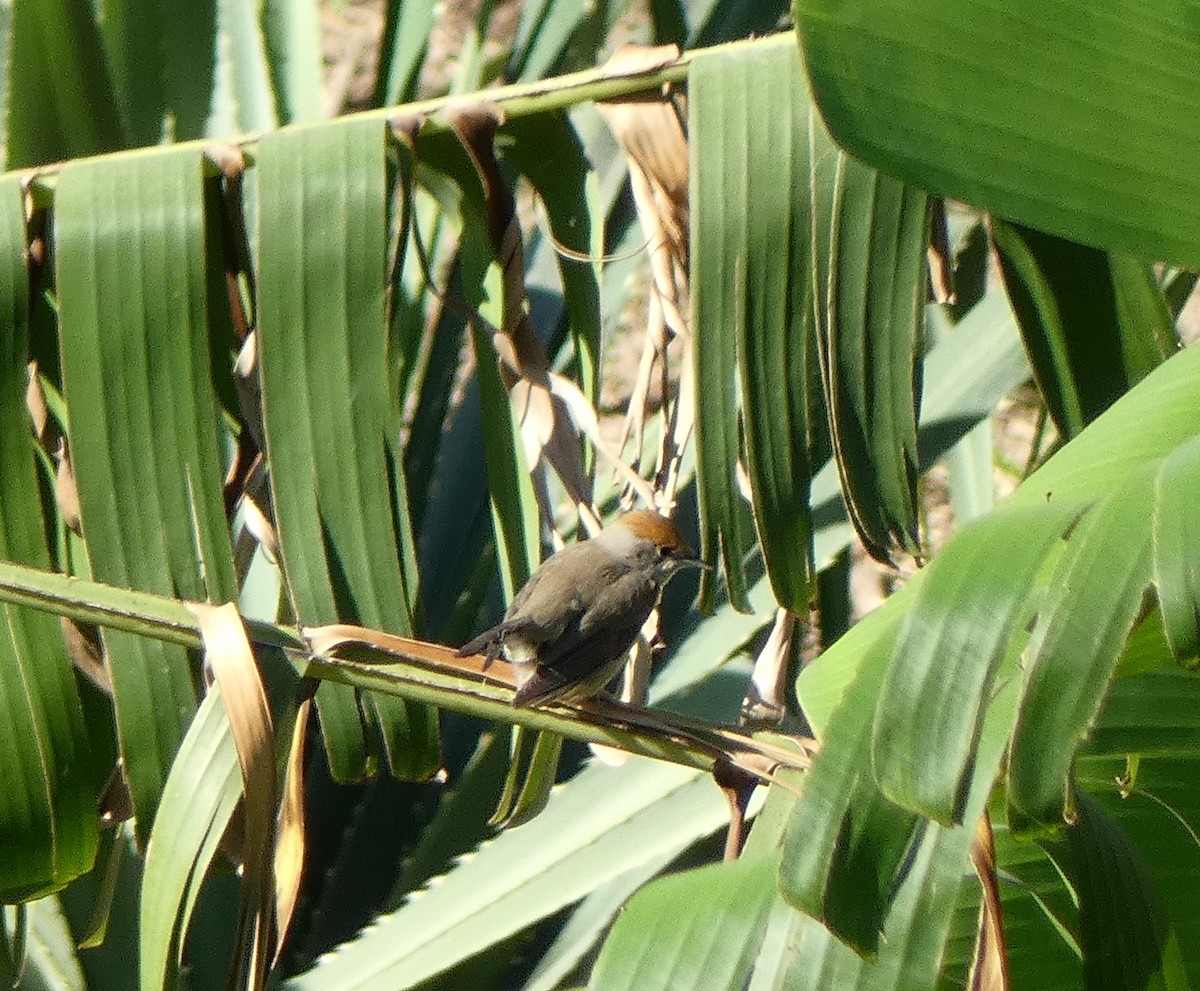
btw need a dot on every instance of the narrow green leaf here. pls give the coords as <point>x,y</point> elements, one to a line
<point>461,820</point>
<point>291,30</point>
<point>547,150</point>
<point>243,97</point>
<point>52,961</point>
<point>201,792</point>
<point>665,936</point>
<point>971,603</point>
<point>872,347</point>
<point>1041,920</point>
<point>1097,151</point>
<point>402,50</point>
<point>971,466</point>
<point>724,108</point>
<point>48,809</point>
<point>14,926</point>
<point>329,412</point>
<point>540,775</point>
<point>1094,324</point>
<point>714,21</point>
<point>670,21</point>
<point>163,61</point>
<point>144,422</point>
<point>56,112</point>
<point>588,924</point>
<point>543,35</point>
<point>605,822</point>
<point>1176,539</point>
<point>1082,626</point>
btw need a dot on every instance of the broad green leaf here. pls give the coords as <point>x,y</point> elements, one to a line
<point>1082,626</point>
<point>697,929</point>
<point>47,808</point>
<point>971,603</point>
<point>919,905</point>
<point>60,96</point>
<point>1073,118</point>
<point>1094,324</point>
<point>329,411</point>
<point>144,422</point>
<point>1152,420</point>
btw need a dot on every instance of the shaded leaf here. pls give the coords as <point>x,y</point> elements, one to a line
<point>163,61</point>
<point>198,800</point>
<point>1115,888</point>
<point>869,331</point>
<point>54,114</point>
<point>1094,324</point>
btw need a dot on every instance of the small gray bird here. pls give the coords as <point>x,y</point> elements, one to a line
<point>570,627</point>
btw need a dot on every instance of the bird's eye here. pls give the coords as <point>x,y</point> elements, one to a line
<point>664,551</point>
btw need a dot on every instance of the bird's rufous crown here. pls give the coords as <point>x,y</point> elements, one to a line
<point>648,525</point>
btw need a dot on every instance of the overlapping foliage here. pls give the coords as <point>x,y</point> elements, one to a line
<point>1029,677</point>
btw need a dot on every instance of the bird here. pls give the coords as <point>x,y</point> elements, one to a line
<point>568,630</point>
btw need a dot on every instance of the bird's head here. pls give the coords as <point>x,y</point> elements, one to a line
<point>650,540</point>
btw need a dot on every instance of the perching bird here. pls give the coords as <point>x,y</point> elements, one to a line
<point>571,625</point>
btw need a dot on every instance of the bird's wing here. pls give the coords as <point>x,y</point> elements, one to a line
<point>592,645</point>
<point>531,614</point>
